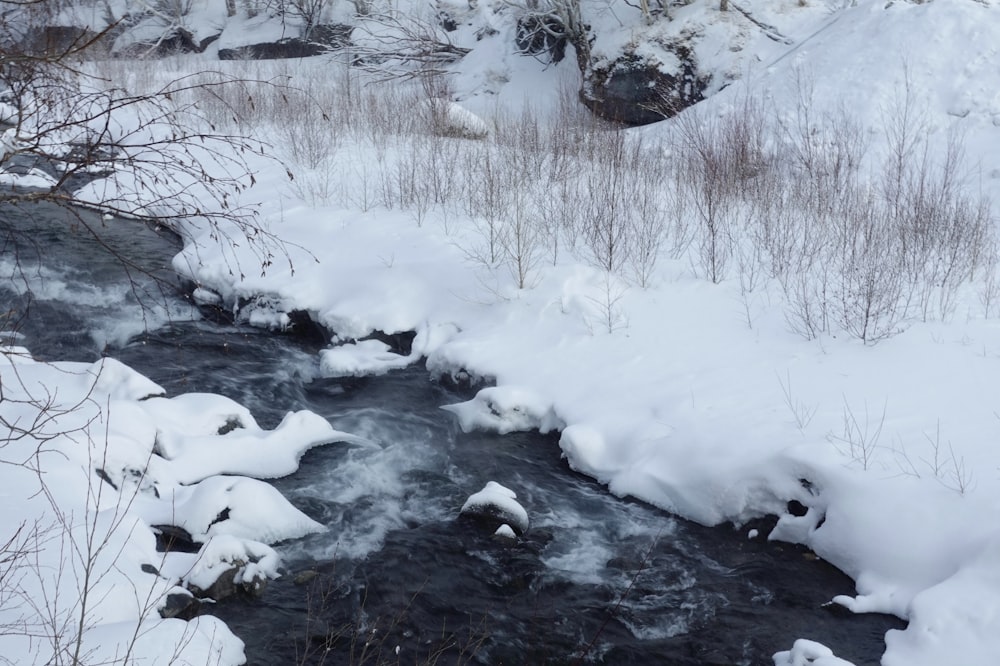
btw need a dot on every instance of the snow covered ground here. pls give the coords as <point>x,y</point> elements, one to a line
<point>94,457</point>
<point>699,396</point>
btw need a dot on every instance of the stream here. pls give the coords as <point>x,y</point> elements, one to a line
<point>399,577</point>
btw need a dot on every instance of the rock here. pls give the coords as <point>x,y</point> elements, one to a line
<point>505,533</point>
<point>285,48</point>
<point>542,36</point>
<point>173,539</point>
<point>495,506</point>
<point>306,576</point>
<point>321,39</point>
<point>231,583</point>
<point>638,91</point>
<point>184,606</point>
<point>178,41</point>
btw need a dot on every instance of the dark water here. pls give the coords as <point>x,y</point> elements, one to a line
<point>399,578</point>
<point>72,293</point>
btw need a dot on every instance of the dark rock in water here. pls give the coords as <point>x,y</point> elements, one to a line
<point>226,586</point>
<point>399,343</point>
<point>463,383</point>
<point>182,606</point>
<point>177,41</point>
<point>302,326</point>
<point>173,539</point>
<point>495,506</point>
<point>286,48</point>
<point>638,91</point>
<point>321,39</point>
<point>306,576</point>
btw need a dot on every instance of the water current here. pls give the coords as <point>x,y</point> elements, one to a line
<point>399,577</point>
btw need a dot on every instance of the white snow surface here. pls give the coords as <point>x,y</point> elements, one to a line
<point>505,409</point>
<point>808,653</point>
<point>95,434</point>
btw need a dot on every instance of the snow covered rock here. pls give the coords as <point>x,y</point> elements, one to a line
<point>453,120</point>
<point>808,653</point>
<point>505,533</point>
<point>360,359</point>
<point>506,409</point>
<point>638,91</point>
<point>226,566</point>
<point>497,507</point>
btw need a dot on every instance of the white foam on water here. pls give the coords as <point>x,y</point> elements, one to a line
<point>117,312</point>
<point>366,489</point>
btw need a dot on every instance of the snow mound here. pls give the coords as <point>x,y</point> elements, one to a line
<point>453,120</point>
<point>112,461</point>
<point>231,505</point>
<point>255,562</point>
<point>808,653</point>
<point>505,531</point>
<point>360,359</point>
<point>506,409</point>
<point>496,502</point>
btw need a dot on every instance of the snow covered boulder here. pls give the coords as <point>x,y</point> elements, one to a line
<point>495,507</point>
<point>808,653</point>
<point>505,534</point>
<point>506,409</point>
<point>226,566</point>
<point>640,90</point>
<point>453,120</point>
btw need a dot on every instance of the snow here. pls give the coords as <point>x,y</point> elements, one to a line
<point>495,497</point>
<point>30,179</point>
<point>93,432</point>
<point>452,119</point>
<point>357,359</point>
<point>505,409</point>
<point>245,30</point>
<point>684,394</point>
<point>223,552</point>
<point>505,531</point>
<point>808,653</point>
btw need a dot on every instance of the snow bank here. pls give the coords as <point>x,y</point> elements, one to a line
<point>91,461</point>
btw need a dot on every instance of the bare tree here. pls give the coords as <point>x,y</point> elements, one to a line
<point>396,45</point>
<point>147,155</point>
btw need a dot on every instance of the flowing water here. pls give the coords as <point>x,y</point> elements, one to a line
<point>399,577</point>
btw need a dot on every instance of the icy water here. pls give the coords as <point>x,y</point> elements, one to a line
<point>399,578</point>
